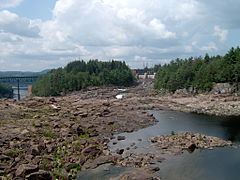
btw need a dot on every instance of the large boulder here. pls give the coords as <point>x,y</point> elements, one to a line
<point>77,129</point>
<point>25,169</point>
<point>40,175</point>
<point>91,151</point>
<point>138,175</point>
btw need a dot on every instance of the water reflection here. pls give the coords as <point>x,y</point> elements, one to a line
<point>232,128</point>
<point>220,163</point>
<point>23,92</point>
<point>227,128</point>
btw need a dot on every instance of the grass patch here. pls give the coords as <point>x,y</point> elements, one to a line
<point>15,152</point>
<point>2,123</point>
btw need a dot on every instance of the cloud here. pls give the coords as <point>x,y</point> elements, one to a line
<point>209,47</point>
<point>132,30</point>
<point>12,23</point>
<point>220,33</point>
<point>9,3</point>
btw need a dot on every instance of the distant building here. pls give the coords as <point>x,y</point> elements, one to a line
<point>143,74</point>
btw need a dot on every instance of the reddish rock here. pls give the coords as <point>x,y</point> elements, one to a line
<point>191,147</point>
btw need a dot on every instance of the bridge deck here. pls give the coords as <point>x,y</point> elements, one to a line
<point>19,77</point>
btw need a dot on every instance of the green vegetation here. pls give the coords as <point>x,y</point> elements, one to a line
<point>78,75</point>
<point>199,73</point>
<point>5,91</point>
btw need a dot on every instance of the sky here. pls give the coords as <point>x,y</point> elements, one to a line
<point>44,34</point>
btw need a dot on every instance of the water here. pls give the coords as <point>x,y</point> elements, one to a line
<point>220,163</point>
<point>103,172</point>
<point>227,128</point>
<point>23,91</point>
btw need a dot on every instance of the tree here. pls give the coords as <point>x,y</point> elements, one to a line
<point>200,73</point>
<point>78,75</point>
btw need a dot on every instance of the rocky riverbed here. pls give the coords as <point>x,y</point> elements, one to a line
<point>57,137</point>
<point>176,143</point>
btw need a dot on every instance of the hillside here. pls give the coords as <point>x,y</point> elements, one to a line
<point>23,73</point>
<point>200,73</point>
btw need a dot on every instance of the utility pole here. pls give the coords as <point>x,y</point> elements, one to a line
<point>18,89</point>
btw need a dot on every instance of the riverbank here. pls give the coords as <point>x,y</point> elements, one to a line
<point>56,137</point>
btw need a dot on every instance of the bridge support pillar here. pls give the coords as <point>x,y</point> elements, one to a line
<point>18,86</point>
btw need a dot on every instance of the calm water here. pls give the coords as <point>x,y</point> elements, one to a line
<point>220,163</point>
<point>23,91</point>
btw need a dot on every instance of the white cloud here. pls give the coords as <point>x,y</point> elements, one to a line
<point>9,3</point>
<point>12,23</point>
<point>141,58</point>
<point>209,47</point>
<point>131,30</point>
<point>220,33</point>
<point>159,30</point>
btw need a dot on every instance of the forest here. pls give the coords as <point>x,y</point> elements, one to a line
<point>78,75</point>
<point>199,73</point>
<point>6,91</point>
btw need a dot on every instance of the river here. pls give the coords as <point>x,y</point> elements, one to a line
<point>23,91</point>
<point>220,163</point>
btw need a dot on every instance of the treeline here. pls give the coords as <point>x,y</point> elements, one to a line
<point>6,91</point>
<point>78,75</point>
<point>199,73</point>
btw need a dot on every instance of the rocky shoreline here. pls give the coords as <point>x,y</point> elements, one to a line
<point>57,137</point>
<point>176,143</point>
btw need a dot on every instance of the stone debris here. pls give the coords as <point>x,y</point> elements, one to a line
<point>175,143</point>
<point>69,131</point>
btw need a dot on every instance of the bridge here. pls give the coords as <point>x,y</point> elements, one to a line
<point>18,79</point>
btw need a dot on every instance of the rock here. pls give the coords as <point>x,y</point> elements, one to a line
<point>10,153</point>
<point>191,147</point>
<point>99,161</point>
<point>4,158</point>
<point>139,175</point>
<point>40,175</point>
<point>110,122</point>
<point>175,143</point>
<point>120,138</point>
<point>119,151</point>
<point>83,115</point>
<point>77,129</point>
<point>3,166</point>
<point>34,150</point>
<point>54,107</point>
<point>52,100</point>
<point>25,169</point>
<point>132,144</point>
<point>152,169</point>
<point>24,132</point>
<point>160,159</point>
<point>2,177</point>
<point>29,158</point>
<point>91,151</point>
